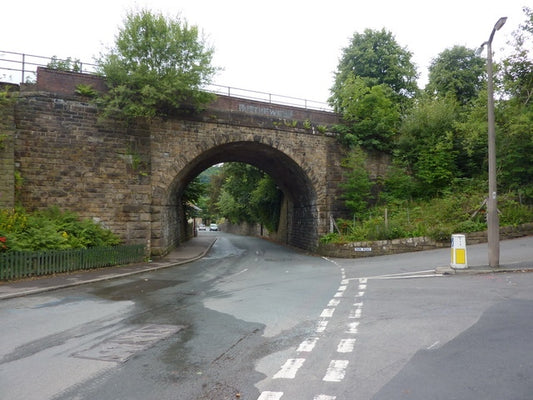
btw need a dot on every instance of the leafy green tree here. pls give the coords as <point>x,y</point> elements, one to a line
<point>357,184</point>
<point>247,194</point>
<point>157,66</point>
<point>515,114</point>
<point>399,184</point>
<point>426,144</point>
<point>516,152</point>
<point>266,201</point>
<point>192,195</point>
<point>240,181</point>
<point>374,118</point>
<point>518,67</point>
<point>458,72</point>
<point>376,57</point>
<point>68,64</point>
<point>231,209</point>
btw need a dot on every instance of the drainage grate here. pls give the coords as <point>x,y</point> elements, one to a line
<point>121,347</point>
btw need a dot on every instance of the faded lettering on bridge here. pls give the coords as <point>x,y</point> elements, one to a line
<point>268,111</point>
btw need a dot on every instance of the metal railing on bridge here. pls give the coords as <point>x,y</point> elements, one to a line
<point>22,68</point>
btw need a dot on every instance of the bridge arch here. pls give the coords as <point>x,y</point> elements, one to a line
<point>299,221</point>
<point>131,177</point>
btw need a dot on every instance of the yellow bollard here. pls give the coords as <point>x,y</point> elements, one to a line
<point>459,260</point>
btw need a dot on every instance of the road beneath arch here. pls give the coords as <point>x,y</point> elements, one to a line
<point>254,320</point>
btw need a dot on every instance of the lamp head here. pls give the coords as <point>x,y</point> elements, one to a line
<point>501,22</point>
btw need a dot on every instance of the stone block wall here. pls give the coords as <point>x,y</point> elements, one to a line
<point>66,157</point>
<point>378,247</point>
<point>7,157</point>
<point>397,246</point>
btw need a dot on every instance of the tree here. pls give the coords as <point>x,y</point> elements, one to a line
<point>357,184</point>
<point>458,72</point>
<point>192,195</point>
<point>518,67</point>
<point>250,195</point>
<point>427,144</point>
<point>516,150</point>
<point>376,57</point>
<point>374,117</point>
<point>266,201</point>
<point>156,66</point>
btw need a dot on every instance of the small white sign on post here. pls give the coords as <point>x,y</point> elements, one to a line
<point>459,259</point>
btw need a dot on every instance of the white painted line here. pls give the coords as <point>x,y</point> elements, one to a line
<point>358,304</point>
<point>342,288</point>
<point>321,326</point>
<point>360,294</point>
<point>428,272</point>
<point>362,287</point>
<point>362,280</point>
<point>333,303</point>
<point>308,344</point>
<point>355,314</point>
<point>352,327</point>
<point>407,277</point>
<point>336,371</point>
<point>433,345</point>
<point>346,346</point>
<point>324,397</point>
<point>241,272</point>
<point>339,294</point>
<point>290,368</point>
<point>270,396</point>
<point>327,312</point>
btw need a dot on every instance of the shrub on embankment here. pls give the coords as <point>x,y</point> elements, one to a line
<point>50,229</point>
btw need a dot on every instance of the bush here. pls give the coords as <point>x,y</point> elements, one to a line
<point>438,218</point>
<point>50,229</point>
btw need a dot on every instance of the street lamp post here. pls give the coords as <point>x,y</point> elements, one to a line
<point>493,229</point>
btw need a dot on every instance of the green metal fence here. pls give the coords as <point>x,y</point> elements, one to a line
<point>24,264</point>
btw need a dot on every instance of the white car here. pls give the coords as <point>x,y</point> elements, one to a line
<point>213,227</point>
<point>202,227</point>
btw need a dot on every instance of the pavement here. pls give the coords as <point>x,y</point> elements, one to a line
<point>187,252</point>
<point>485,269</point>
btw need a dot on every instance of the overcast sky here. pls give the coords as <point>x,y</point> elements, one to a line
<point>287,47</point>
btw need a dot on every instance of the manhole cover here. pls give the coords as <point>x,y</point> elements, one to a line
<point>121,347</point>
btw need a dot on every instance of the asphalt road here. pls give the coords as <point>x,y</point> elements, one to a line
<point>254,320</point>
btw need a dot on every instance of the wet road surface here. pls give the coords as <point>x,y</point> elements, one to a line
<point>254,320</point>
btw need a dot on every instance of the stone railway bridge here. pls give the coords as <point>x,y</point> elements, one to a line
<point>131,178</point>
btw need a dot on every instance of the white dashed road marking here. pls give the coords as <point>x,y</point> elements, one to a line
<point>321,326</point>
<point>270,396</point>
<point>327,313</point>
<point>352,327</point>
<point>333,303</point>
<point>307,345</point>
<point>290,368</point>
<point>336,371</point>
<point>346,346</point>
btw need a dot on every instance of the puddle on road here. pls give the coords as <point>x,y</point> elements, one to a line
<point>132,290</point>
<point>123,346</point>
